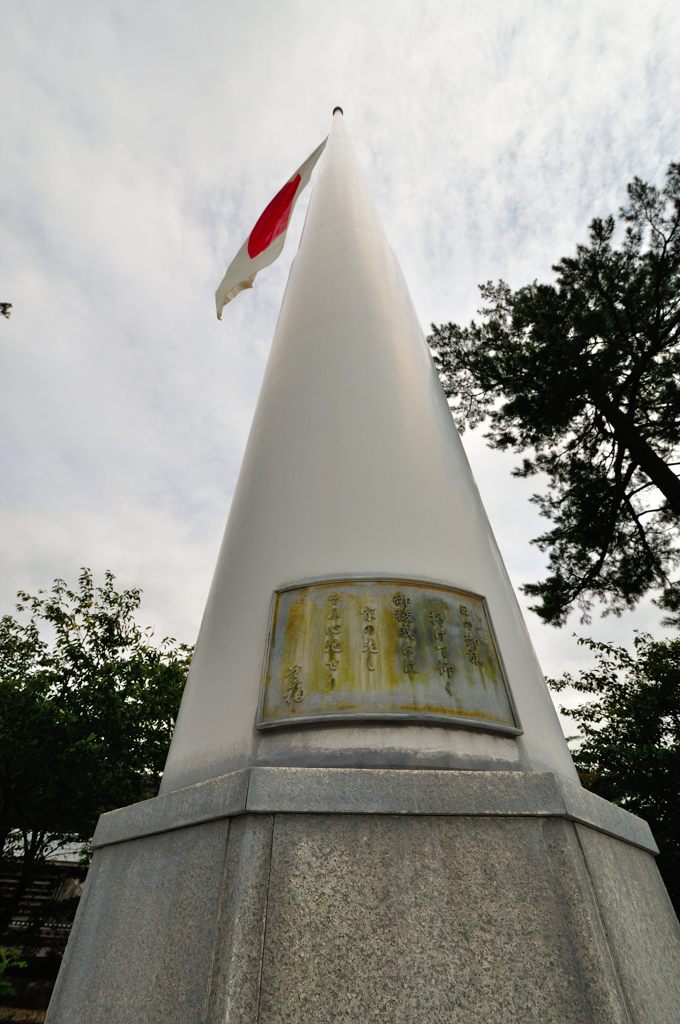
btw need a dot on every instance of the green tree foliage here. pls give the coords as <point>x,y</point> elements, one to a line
<point>10,957</point>
<point>629,745</point>
<point>87,705</point>
<point>582,377</point>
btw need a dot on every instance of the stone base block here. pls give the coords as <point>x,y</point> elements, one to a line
<point>491,905</point>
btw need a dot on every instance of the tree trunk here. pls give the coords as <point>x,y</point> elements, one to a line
<point>660,474</point>
<point>10,905</point>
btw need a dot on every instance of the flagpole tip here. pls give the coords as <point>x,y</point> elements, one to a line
<point>338,110</point>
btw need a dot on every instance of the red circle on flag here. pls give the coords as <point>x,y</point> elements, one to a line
<point>274,219</point>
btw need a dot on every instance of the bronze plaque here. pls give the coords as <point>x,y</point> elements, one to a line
<point>383,648</point>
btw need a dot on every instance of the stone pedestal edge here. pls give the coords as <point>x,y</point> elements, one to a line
<point>373,791</point>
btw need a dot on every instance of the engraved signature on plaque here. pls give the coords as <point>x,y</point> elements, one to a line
<point>383,648</point>
<point>292,685</point>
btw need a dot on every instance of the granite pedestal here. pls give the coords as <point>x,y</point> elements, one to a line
<point>276,895</point>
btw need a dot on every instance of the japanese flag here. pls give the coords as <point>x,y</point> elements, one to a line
<point>265,241</point>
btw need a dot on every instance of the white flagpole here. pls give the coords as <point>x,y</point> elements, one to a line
<point>353,466</point>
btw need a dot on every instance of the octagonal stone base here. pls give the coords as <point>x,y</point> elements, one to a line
<point>341,895</point>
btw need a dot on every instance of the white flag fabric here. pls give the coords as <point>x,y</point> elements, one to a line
<point>266,240</point>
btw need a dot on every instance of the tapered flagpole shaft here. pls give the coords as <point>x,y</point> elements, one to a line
<point>353,467</point>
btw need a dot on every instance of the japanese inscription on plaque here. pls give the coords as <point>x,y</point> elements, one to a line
<point>383,648</point>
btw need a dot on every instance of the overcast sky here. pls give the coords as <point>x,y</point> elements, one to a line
<point>140,142</point>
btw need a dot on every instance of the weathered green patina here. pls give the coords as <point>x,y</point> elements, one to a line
<point>383,648</point>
